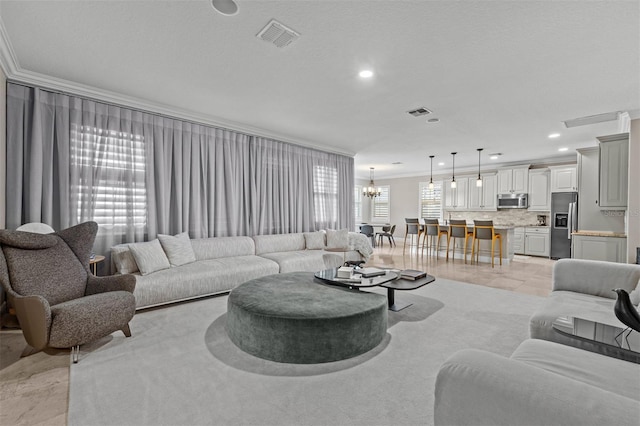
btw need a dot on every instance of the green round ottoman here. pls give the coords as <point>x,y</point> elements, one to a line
<point>292,318</point>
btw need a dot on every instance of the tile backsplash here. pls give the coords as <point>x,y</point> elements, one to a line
<point>508,217</point>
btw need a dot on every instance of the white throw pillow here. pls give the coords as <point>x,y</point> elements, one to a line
<point>149,256</point>
<point>178,248</point>
<point>314,240</point>
<point>124,260</point>
<point>337,239</point>
<point>635,295</point>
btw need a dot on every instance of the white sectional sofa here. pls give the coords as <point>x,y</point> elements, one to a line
<point>551,379</point>
<point>583,288</point>
<point>542,383</point>
<point>222,263</point>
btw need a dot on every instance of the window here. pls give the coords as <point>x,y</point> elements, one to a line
<point>380,210</point>
<point>431,200</point>
<point>357,203</point>
<point>325,196</point>
<point>108,175</point>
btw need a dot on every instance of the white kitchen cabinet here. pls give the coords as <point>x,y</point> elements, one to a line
<point>564,179</point>
<point>537,241</point>
<point>518,240</point>
<point>539,190</point>
<point>591,217</point>
<point>609,249</point>
<point>613,165</point>
<point>514,180</point>
<point>456,198</point>
<point>483,198</point>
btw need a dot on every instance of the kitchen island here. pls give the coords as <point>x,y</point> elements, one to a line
<point>484,255</point>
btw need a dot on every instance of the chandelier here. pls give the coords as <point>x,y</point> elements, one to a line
<point>371,191</point>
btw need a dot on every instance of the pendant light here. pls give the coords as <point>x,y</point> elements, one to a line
<point>454,185</point>
<point>431,178</point>
<point>371,191</point>
<point>479,180</point>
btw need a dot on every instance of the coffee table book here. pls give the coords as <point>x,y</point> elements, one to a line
<point>370,272</point>
<point>412,274</point>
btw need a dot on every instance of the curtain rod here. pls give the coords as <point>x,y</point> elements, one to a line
<point>158,114</point>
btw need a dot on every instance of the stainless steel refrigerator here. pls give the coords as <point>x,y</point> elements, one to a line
<point>564,221</point>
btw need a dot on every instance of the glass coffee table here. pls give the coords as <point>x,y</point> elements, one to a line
<point>617,340</point>
<point>390,280</point>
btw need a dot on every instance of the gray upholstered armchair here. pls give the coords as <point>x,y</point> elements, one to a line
<point>58,302</point>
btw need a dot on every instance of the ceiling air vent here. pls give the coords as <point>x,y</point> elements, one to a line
<point>419,112</point>
<point>592,119</point>
<point>277,34</point>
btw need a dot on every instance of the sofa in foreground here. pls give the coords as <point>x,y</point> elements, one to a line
<point>584,288</point>
<point>550,379</point>
<point>176,268</point>
<point>542,383</point>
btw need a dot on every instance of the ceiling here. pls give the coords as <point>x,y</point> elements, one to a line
<point>500,75</point>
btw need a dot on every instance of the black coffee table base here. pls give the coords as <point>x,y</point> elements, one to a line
<point>391,300</point>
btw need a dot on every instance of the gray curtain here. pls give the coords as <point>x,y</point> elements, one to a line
<point>137,174</point>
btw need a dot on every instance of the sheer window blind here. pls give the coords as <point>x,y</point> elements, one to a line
<point>325,195</point>
<point>431,200</point>
<point>381,209</point>
<point>357,203</point>
<point>111,186</point>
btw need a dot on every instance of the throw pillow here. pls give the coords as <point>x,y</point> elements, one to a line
<point>337,239</point>
<point>314,240</point>
<point>123,259</point>
<point>149,256</point>
<point>635,295</point>
<point>178,248</point>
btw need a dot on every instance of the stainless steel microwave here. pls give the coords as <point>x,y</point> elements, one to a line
<point>513,201</point>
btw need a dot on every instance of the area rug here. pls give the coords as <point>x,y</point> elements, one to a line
<point>180,368</point>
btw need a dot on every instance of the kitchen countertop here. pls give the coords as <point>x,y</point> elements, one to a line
<point>600,234</point>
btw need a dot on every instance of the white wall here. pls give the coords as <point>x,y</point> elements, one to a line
<point>403,198</point>
<point>633,209</point>
<point>3,147</point>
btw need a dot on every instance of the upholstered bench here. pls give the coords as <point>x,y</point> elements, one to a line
<point>293,318</point>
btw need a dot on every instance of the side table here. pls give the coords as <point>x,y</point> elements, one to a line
<point>93,263</point>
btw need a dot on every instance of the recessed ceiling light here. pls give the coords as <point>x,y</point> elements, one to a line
<point>440,164</point>
<point>433,120</point>
<point>495,156</point>
<point>365,74</point>
<point>225,7</point>
<point>563,149</point>
<point>554,135</point>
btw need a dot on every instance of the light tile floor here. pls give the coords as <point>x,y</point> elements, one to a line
<point>35,390</point>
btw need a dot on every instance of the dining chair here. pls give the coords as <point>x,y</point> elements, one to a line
<point>368,231</point>
<point>484,230</point>
<point>433,230</point>
<point>412,228</point>
<point>459,229</point>
<point>387,231</point>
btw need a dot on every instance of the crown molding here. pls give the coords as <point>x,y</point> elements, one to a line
<point>13,72</point>
<point>473,170</point>
<point>77,89</point>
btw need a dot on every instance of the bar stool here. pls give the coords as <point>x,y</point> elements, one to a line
<point>483,230</point>
<point>432,229</point>
<point>458,229</point>
<point>412,228</point>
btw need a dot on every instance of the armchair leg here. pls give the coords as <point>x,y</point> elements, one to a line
<point>127,331</point>
<point>75,353</point>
